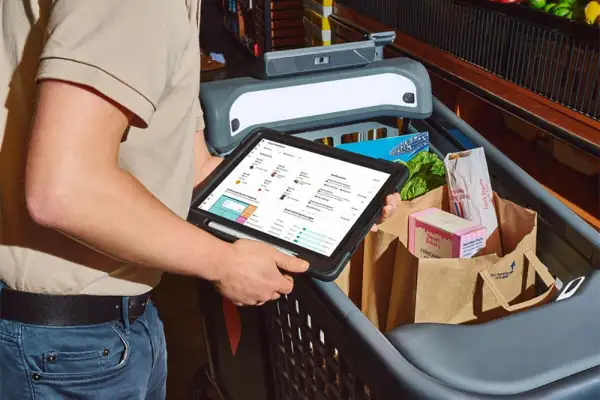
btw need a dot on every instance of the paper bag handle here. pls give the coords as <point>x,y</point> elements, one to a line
<point>541,270</point>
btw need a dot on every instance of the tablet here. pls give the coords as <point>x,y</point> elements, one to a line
<point>309,200</point>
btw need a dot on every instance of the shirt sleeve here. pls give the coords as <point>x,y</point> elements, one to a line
<point>126,50</point>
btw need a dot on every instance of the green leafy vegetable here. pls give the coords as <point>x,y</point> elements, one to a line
<point>427,172</point>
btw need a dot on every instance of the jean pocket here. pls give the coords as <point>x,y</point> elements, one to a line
<point>73,354</point>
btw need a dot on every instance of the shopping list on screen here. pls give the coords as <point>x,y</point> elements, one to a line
<point>304,198</point>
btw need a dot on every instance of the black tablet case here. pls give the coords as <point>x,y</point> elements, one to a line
<point>321,267</point>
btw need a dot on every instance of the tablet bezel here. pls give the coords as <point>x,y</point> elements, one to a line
<point>322,267</point>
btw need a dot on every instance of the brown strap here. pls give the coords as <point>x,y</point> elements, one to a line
<point>543,273</point>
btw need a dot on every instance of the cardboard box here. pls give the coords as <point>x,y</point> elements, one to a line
<point>433,233</point>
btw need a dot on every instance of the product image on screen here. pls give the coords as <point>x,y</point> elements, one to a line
<point>304,198</point>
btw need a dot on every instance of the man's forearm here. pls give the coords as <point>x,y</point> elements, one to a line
<point>124,220</point>
<point>206,168</point>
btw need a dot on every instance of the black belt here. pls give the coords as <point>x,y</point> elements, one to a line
<point>67,310</point>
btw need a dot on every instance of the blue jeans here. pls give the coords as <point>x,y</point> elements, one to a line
<point>113,361</point>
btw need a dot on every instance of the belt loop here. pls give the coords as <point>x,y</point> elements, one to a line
<point>125,312</point>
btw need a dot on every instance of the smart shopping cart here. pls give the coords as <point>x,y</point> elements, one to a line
<point>315,343</point>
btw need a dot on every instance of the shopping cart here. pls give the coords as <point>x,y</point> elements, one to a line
<point>316,344</point>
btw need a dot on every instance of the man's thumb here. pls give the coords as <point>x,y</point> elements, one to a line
<point>291,264</point>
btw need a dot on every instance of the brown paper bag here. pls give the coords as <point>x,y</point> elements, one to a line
<point>377,274</point>
<point>380,250</point>
<point>450,290</point>
<point>350,280</point>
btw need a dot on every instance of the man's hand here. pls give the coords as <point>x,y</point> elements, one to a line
<point>252,277</point>
<point>391,202</point>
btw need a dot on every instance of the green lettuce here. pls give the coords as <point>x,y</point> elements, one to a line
<point>427,172</point>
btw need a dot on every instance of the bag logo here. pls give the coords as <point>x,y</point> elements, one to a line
<point>504,275</point>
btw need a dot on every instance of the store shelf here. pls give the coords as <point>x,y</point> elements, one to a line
<point>268,25</point>
<point>551,56</point>
<point>238,19</point>
<point>239,40</point>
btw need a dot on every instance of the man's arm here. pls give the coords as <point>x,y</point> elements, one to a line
<point>74,185</point>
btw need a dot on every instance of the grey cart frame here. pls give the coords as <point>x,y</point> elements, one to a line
<point>315,343</point>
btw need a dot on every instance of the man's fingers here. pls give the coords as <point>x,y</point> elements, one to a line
<point>388,211</point>
<point>391,202</point>
<point>287,285</point>
<point>274,297</point>
<point>393,199</point>
<point>290,264</point>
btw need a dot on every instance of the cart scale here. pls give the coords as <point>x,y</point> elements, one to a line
<point>315,343</point>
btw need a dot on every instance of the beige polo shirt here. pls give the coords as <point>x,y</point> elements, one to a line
<point>143,55</point>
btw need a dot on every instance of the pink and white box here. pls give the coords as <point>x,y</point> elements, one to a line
<point>433,233</point>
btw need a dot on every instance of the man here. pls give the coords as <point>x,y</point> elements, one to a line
<point>98,160</point>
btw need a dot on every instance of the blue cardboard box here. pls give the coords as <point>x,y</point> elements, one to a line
<point>397,148</point>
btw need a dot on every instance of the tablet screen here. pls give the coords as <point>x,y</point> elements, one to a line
<point>301,197</point>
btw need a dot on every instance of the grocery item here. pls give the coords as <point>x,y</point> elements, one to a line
<point>470,193</point>
<point>561,11</point>
<point>539,4</point>
<point>398,148</point>
<point>433,233</point>
<point>563,8</point>
<point>592,13</point>
<point>427,172</point>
